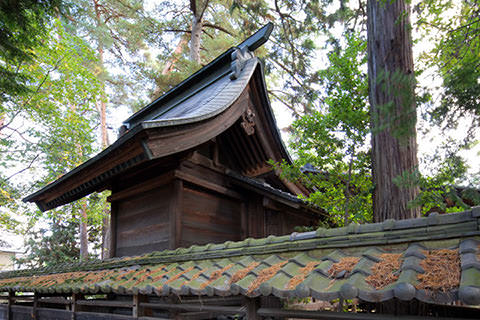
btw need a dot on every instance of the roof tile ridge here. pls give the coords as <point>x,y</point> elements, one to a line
<point>292,242</point>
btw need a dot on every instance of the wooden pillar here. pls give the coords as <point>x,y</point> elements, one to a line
<point>244,221</point>
<point>252,305</point>
<point>113,228</point>
<point>135,306</point>
<point>35,305</point>
<point>137,309</point>
<point>74,306</point>
<point>11,301</point>
<point>175,214</point>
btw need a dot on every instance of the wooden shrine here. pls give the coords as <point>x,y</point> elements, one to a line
<point>192,166</point>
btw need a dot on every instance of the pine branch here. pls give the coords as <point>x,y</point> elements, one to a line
<point>214,26</point>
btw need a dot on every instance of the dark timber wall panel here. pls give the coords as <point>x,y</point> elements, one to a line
<point>209,217</point>
<point>143,222</point>
<point>291,219</point>
<point>3,311</point>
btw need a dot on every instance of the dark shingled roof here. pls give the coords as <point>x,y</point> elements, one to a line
<point>326,264</point>
<point>204,95</point>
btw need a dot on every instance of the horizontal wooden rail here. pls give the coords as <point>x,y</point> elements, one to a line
<point>194,307</point>
<point>330,315</point>
<point>105,303</point>
<point>54,301</point>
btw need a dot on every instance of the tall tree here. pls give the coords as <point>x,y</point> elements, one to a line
<point>393,108</point>
<point>117,29</point>
<point>49,129</point>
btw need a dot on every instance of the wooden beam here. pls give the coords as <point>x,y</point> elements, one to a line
<point>329,315</point>
<point>264,135</point>
<point>74,308</point>
<point>203,161</point>
<point>105,303</point>
<point>265,168</point>
<point>291,186</point>
<point>207,185</point>
<point>244,220</point>
<point>136,307</point>
<point>54,300</point>
<point>144,186</point>
<point>195,307</point>
<point>113,229</point>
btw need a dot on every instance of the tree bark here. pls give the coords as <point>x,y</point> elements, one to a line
<point>198,10</point>
<point>393,112</point>
<point>83,232</point>
<point>169,66</point>
<point>102,110</point>
<point>197,25</point>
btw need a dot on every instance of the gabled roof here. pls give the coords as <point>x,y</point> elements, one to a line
<point>372,262</point>
<point>199,107</point>
<point>159,109</point>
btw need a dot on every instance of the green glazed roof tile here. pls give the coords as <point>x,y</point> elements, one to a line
<point>470,277</point>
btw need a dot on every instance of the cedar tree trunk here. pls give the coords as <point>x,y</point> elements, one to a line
<point>391,94</point>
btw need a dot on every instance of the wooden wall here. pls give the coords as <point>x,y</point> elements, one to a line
<point>194,203</point>
<point>208,217</point>
<point>142,222</point>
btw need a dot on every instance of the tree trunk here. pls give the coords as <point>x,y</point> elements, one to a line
<point>197,25</point>
<point>102,110</point>
<point>391,94</point>
<point>83,232</point>
<point>174,58</point>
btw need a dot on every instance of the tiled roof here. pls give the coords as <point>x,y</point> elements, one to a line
<point>433,259</point>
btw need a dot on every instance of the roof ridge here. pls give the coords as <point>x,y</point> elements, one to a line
<point>251,44</point>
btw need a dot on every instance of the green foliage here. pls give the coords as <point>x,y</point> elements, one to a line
<point>50,129</point>
<point>22,28</point>
<point>456,56</point>
<point>118,31</point>
<point>52,246</point>
<point>52,125</point>
<point>335,140</point>
<point>440,191</point>
<point>454,28</point>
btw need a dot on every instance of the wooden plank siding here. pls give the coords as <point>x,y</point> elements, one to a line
<point>194,202</point>
<point>209,217</point>
<point>142,222</point>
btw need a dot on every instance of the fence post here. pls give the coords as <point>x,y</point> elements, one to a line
<point>35,305</point>
<point>252,304</point>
